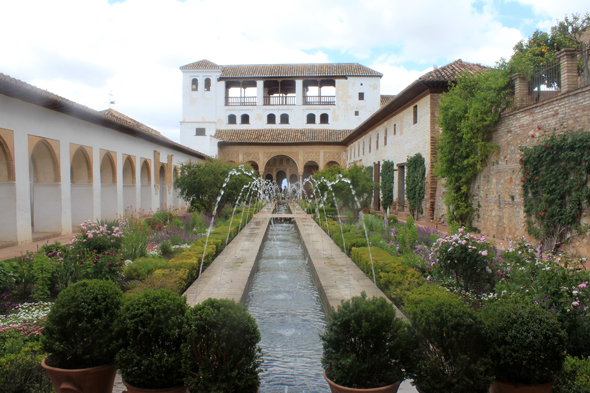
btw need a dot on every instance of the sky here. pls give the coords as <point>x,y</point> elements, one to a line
<point>84,50</point>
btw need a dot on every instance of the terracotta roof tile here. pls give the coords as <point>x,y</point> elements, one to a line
<point>449,72</point>
<point>274,135</point>
<point>285,70</point>
<point>109,118</point>
<point>385,98</point>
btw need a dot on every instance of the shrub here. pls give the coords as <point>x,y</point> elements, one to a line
<point>149,330</point>
<point>527,342</point>
<point>574,377</point>
<point>427,292</point>
<point>141,268</point>
<point>453,348</point>
<point>99,237</point>
<point>160,218</point>
<point>365,345</point>
<point>22,372</point>
<point>221,352</point>
<point>135,240</point>
<point>78,332</point>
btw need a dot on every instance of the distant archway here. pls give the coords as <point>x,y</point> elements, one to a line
<point>81,187</point>
<point>162,189</point>
<point>6,163</point>
<point>108,186</point>
<point>146,189</point>
<point>281,176</point>
<point>309,169</point>
<point>331,164</point>
<point>45,189</point>
<point>129,188</point>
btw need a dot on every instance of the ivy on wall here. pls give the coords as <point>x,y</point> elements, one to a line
<point>415,183</point>
<point>387,180</point>
<point>555,188</point>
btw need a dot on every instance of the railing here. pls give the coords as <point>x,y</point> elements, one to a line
<point>230,101</point>
<point>545,82</point>
<point>279,100</point>
<point>319,100</point>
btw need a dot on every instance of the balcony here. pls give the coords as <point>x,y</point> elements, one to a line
<point>240,101</point>
<point>319,100</point>
<point>279,100</point>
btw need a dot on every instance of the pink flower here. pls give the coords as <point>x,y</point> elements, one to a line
<point>90,236</point>
<point>583,285</point>
<point>484,252</point>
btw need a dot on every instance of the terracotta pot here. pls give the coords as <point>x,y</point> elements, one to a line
<point>175,389</point>
<point>341,389</point>
<point>85,380</point>
<point>508,387</point>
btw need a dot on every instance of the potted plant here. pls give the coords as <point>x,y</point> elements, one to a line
<point>528,347</point>
<point>365,347</point>
<point>150,335</point>
<point>452,354</point>
<point>79,337</point>
<point>220,353</point>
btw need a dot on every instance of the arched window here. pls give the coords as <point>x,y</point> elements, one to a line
<point>245,119</point>
<point>284,118</point>
<point>377,142</point>
<point>195,85</point>
<point>271,118</point>
<point>324,118</point>
<point>207,84</point>
<point>370,142</point>
<point>310,118</point>
<point>231,119</point>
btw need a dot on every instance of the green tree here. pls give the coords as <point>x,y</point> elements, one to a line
<point>415,183</point>
<point>387,180</point>
<point>201,184</point>
<point>570,31</point>
<point>362,183</point>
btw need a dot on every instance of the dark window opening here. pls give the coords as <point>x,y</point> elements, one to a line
<point>377,142</point>
<point>231,119</point>
<point>310,118</point>
<point>245,119</point>
<point>324,118</point>
<point>195,85</point>
<point>271,118</point>
<point>385,138</point>
<point>207,84</point>
<point>415,114</point>
<point>361,96</point>
<point>370,143</point>
<point>200,131</point>
<point>284,118</point>
<point>395,129</point>
<point>356,113</point>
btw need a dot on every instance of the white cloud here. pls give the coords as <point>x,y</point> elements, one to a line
<point>84,49</point>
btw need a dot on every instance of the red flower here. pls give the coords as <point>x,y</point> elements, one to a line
<point>110,263</point>
<point>539,214</point>
<point>536,178</point>
<point>526,178</point>
<point>538,127</point>
<point>521,160</point>
<point>532,135</point>
<point>527,172</point>
<point>546,147</point>
<point>422,159</point>
<point>94,261</point>
<point>541,194</point>
<point>120,264</point>
<point>522,181</point>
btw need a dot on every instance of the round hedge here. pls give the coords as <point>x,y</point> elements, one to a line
<point>79,330</point>
<point>150,336</point>
<point>528,343</point>
<point>365,345</point>
<point>221,352</point>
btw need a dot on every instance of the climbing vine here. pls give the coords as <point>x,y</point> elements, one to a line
<point>387,179</point>
<point>415,183</point>
<point>555,188</point>
<point>467,113</point>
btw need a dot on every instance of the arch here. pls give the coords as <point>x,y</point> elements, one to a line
<point>195,84</point>
<point>108,174</point>
<point>281,175</point>
<point>324,118</point>
<point>81,167</point>
<point>331,164</point>
<point>162,188</point>
<point>146,189</point>
<point>44,163</point>
<point>310,118</point>
<point>254,166</point>
<point>271,118</point>
<point>270,162</point>
<point>128,171</point>
<point>231,119</point>
<point>207,84</point>
<point>146,179</point>
<point>285,118</point>
<point>293,178</point>
<point>176,202</point>
<point>245,119</point>
<point>6,163</point>
<point>309,169</point>
<point>268,177</point>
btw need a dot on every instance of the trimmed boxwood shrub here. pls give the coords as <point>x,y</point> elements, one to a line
<point>79,328</point>
<point>453,349</point>
<point>365,345</point>
<point>22,372</point>
<point>221,352</point>
<point>149,332</point>
<point>528,343</point>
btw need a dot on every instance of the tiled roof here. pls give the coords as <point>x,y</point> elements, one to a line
<point>109,118</point>
<point>285,70</point>
<point>449,72</point>
<point>116,115</point>
<point>274,135</point>
<point>385,98</point>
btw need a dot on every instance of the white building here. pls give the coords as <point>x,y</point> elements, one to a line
<point>62,163</point>
<point>274,97</point>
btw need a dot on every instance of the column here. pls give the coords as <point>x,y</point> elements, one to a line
<point>569,69</point>
<point>521,89</point>
<point>259,93</point>
<point>299,92</point>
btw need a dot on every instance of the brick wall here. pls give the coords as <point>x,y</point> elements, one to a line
<point>497,189</point>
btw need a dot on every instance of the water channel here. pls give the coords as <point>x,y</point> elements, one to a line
<point>286,305</point>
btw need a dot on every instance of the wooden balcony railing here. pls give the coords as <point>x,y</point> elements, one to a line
<point>279,100</point>
<point>231,101</point>
<point>319,100</point>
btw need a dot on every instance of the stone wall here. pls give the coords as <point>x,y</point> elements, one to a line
<point>497,189</point>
